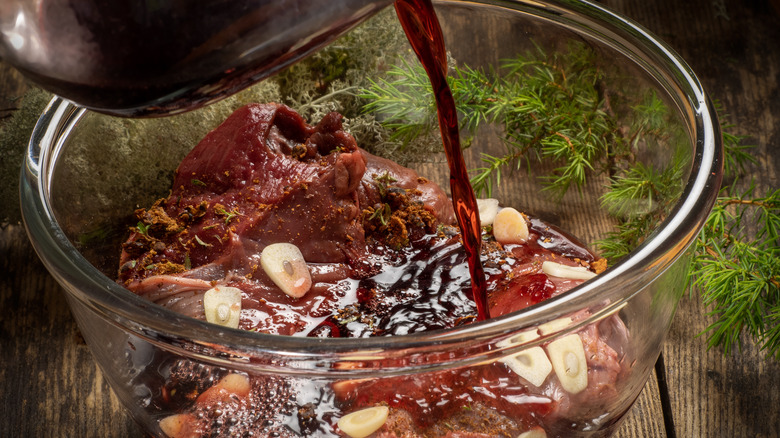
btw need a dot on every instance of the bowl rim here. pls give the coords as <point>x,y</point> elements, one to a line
<point>173,331</point>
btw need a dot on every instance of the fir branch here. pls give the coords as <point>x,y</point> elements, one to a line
<point>548,113</point>
<point>737,270</point>
<point>735,264</point>
<point>736,154</point>
<point>489,176</point>
<point>559,116</point>
<point>403,102</point>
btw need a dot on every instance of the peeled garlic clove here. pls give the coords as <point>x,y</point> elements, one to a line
<point>178,426</point>
<point>228,386</point>
<point>362,423</point>
<point>284,263</point>
<point>536,432</point>
<point>554,326</point>
<point>488,208</point>
<point>235,383</point>
<point>531,364</point>
<point>519,339</point>
<point>568,360</point>
<point>222,306</point>
<point>510,226</point>
<point>564,271</point>
<point>526,336</point>
<point>343,388</point>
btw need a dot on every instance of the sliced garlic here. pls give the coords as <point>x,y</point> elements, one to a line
<point>510,226</point>
<point>519,339</point>
<point>284,263</point>
<point>222,306</point>
<point>531,364</point>
<point>536,432</point>
<point>564,271</point>
<point>488,208</point>
<point>526,336</point>
<point>554,326</point>
<point>568,360</point>
<point>362,423</point>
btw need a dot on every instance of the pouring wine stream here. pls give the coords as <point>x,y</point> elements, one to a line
<point>422,28</point>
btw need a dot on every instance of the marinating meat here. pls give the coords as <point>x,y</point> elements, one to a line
<point>277,226</point>
<point>265,177</point>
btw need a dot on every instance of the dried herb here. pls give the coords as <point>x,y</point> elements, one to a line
<point>142,228</point>
<point>201,242</point>
<point>229,215</point>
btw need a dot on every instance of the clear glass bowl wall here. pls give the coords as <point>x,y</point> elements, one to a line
<point>86,173</point>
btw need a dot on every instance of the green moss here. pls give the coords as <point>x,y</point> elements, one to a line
<point>330,80</point>
<point>334,79</point>
<point>114,165</point>
<point>14,137</point>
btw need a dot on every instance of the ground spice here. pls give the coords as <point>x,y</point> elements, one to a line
<point>157,221</point>
<point>397,219</point>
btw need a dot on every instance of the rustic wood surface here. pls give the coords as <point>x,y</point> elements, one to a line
<point>50,386</point>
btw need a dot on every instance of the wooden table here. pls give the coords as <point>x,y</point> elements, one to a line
<point>50,386</point>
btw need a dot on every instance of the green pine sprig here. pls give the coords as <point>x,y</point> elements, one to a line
<point>548,113</point>
<point>737,270</point>
<point>403,101</point>
<point>563,116</point>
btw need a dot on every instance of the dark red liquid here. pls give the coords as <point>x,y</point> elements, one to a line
<point>135,58</point>
<point>422,28</point>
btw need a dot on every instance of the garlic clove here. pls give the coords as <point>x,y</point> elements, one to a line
<point>519,338</point>
<point>284,264</point>
<point>555,325</point>
<point>564,271</point>
<point>531,364</point>
<point>362,423</point>
<point>178,426</point>
<point>526,336</point>
<point>536,432</point>
<point>510,226</point>
<point>233,384</point>
<point>488,208</point>
<point>222,305</point>
<point>567,356</point>
<point>343,388</point>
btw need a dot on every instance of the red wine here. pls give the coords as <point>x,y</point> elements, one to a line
<point>421,25</point>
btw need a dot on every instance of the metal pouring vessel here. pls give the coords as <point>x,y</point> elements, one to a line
<point>146,58</point>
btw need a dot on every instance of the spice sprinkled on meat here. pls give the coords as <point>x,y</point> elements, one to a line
<point>277,226</point>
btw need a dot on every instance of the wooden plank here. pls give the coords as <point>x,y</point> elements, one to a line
<point>49,382</point>
<point>732,47</point>
<point>645,419</point>
<point>713,395</point>
<point>50,386</point>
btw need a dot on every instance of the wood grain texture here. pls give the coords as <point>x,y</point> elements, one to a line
<point>51,387</point>
<point>49,383</point>
<point>733,48</point>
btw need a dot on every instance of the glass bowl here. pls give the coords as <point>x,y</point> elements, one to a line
<point>86,173</point>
